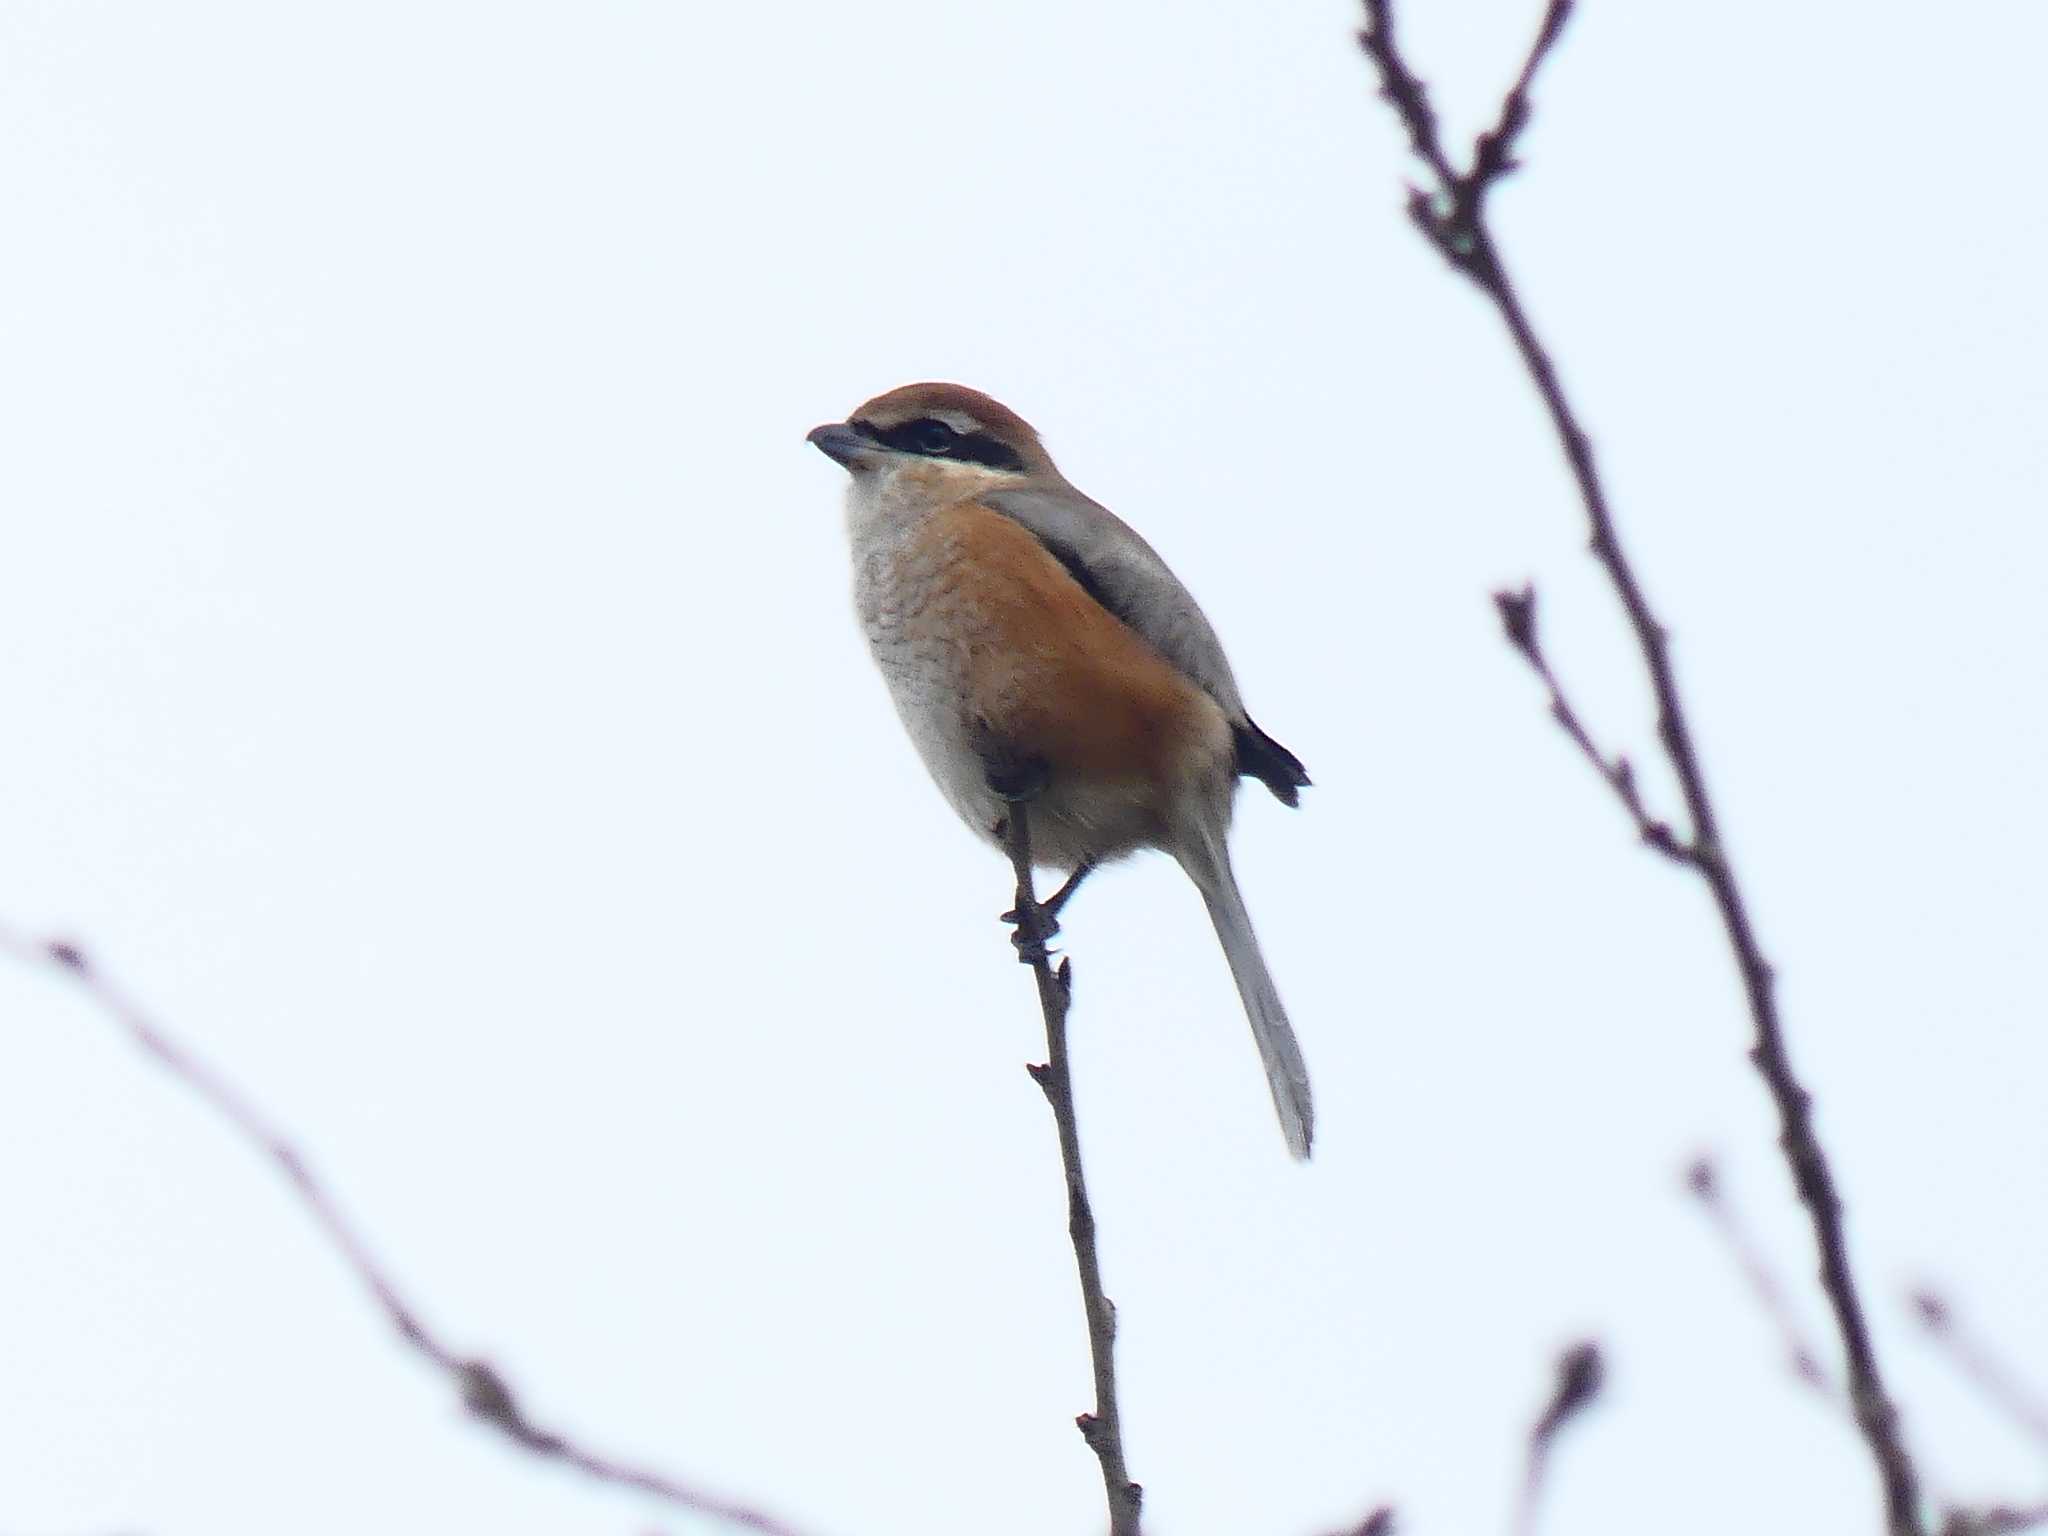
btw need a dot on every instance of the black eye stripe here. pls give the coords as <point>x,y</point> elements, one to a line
<point>974,447</point>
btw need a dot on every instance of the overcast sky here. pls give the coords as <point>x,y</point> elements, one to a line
<point>431,684</point>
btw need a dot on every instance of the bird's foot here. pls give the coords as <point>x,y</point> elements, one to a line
<point>1052,904</point>
<point>1032,932</point>
<point>1031,947</point>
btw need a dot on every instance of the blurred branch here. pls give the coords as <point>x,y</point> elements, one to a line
<point>1518,619</point>
<point>1580,1374</point>
<point>482,1390</point>
<point>1102,1429</point>
<point>1999,1520</point>
<point>1982,1367</point>
<point>1705,1186</point>
<point>1451,214</point>
<point>1379,1523</point>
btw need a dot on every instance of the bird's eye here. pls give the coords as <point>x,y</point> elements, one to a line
<point>932,436</point>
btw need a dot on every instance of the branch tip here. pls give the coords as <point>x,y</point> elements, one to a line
<point>1518,618</point>
<point>1934,1312</point>
<point>1703,1181</point>
<point>1581,1372</point>
<point>1461,236</point>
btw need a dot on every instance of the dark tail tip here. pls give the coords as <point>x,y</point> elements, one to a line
<point>1261,757</point>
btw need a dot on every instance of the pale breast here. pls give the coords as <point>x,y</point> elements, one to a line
<point>982,635</point>
<point>908,594</point>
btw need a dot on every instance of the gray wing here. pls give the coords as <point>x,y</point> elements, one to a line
<point>1125,574</point>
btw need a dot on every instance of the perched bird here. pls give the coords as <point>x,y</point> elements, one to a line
<point>1039,651</point>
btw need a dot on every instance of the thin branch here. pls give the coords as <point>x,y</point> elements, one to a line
<point>1102,1429</point>
<point>1379,1523</point>
<point>1518,620</point>
<point>1705,1186</point>
<point>1451,214</point>
<point>1982,1366</point>
<point>1998,1520</point>
<point>483,1391</point>
<point>1580,1374</point>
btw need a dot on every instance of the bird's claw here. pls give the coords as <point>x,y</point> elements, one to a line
<point>1031,936</point>
<point>1052,923</point>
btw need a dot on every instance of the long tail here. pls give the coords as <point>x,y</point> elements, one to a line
<point>1286,1072</point>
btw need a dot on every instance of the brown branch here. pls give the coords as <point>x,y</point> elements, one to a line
<point>1451,214</point>
<point>1580,1374</point>
<point>1102,1429</point>
<point>477,1382</point>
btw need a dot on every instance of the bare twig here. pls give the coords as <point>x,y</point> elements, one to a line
<point>1451,215</point>
<point>1998,1520</point>
<point>1705,1186</point>
<point>1379,1523</point>
<point>482,1390</point>
<point>1518,620</point>
<point>1580,1373</point>
<point>1102,1429</point>
<point>1982,1366</point>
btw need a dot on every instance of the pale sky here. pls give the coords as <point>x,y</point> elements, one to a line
<point>434,690</point>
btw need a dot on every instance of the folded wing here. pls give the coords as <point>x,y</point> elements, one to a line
<point>1125,574</point>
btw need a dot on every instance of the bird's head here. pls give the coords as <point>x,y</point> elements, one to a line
<point>944,427</point>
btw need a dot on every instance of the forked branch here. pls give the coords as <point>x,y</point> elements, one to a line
<point>1450,210</point>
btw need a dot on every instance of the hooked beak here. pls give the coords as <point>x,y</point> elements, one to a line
<point>843,444</point>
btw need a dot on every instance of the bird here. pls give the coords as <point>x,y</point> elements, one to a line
<point>1040,652</point>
